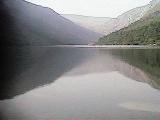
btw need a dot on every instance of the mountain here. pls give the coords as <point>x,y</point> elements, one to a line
<point>109,25</point>
<point>24,23</point>
<point>145,31</point>
<point>96,24</point>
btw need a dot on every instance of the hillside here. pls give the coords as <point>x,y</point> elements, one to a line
<point>24,23</point>
<point>143,32</point>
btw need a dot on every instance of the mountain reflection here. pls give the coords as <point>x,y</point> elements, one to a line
<point>30,67</point>
<point>147,60</point>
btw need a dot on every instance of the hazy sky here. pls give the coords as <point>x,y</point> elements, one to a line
<point>99,8</point>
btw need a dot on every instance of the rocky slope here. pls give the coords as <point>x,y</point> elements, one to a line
<point>134,15</point>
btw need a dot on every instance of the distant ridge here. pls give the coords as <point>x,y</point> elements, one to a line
<point>95,24</point>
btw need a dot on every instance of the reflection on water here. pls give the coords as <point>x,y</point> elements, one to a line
<point>147,60</point>
<point>81,84</point>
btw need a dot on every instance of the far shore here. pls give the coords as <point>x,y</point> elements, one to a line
<point>107,46</point>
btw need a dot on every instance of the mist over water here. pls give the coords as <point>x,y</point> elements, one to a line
<point>49,83</point>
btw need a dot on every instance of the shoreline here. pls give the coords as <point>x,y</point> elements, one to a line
<point>106,46</point>
<point>93,46</point>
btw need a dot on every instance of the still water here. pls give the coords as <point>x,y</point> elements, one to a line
<point>81,84</point>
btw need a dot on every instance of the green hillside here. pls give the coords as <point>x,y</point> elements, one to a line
<point>143,32</point>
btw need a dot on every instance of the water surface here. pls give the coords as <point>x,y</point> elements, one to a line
<point>82,84</point>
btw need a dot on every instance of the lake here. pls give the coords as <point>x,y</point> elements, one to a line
<point>73,83</point>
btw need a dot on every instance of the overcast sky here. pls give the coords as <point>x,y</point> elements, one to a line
<point>99,8</point>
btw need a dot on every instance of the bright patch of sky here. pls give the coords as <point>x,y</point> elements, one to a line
<point>98,8</point>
